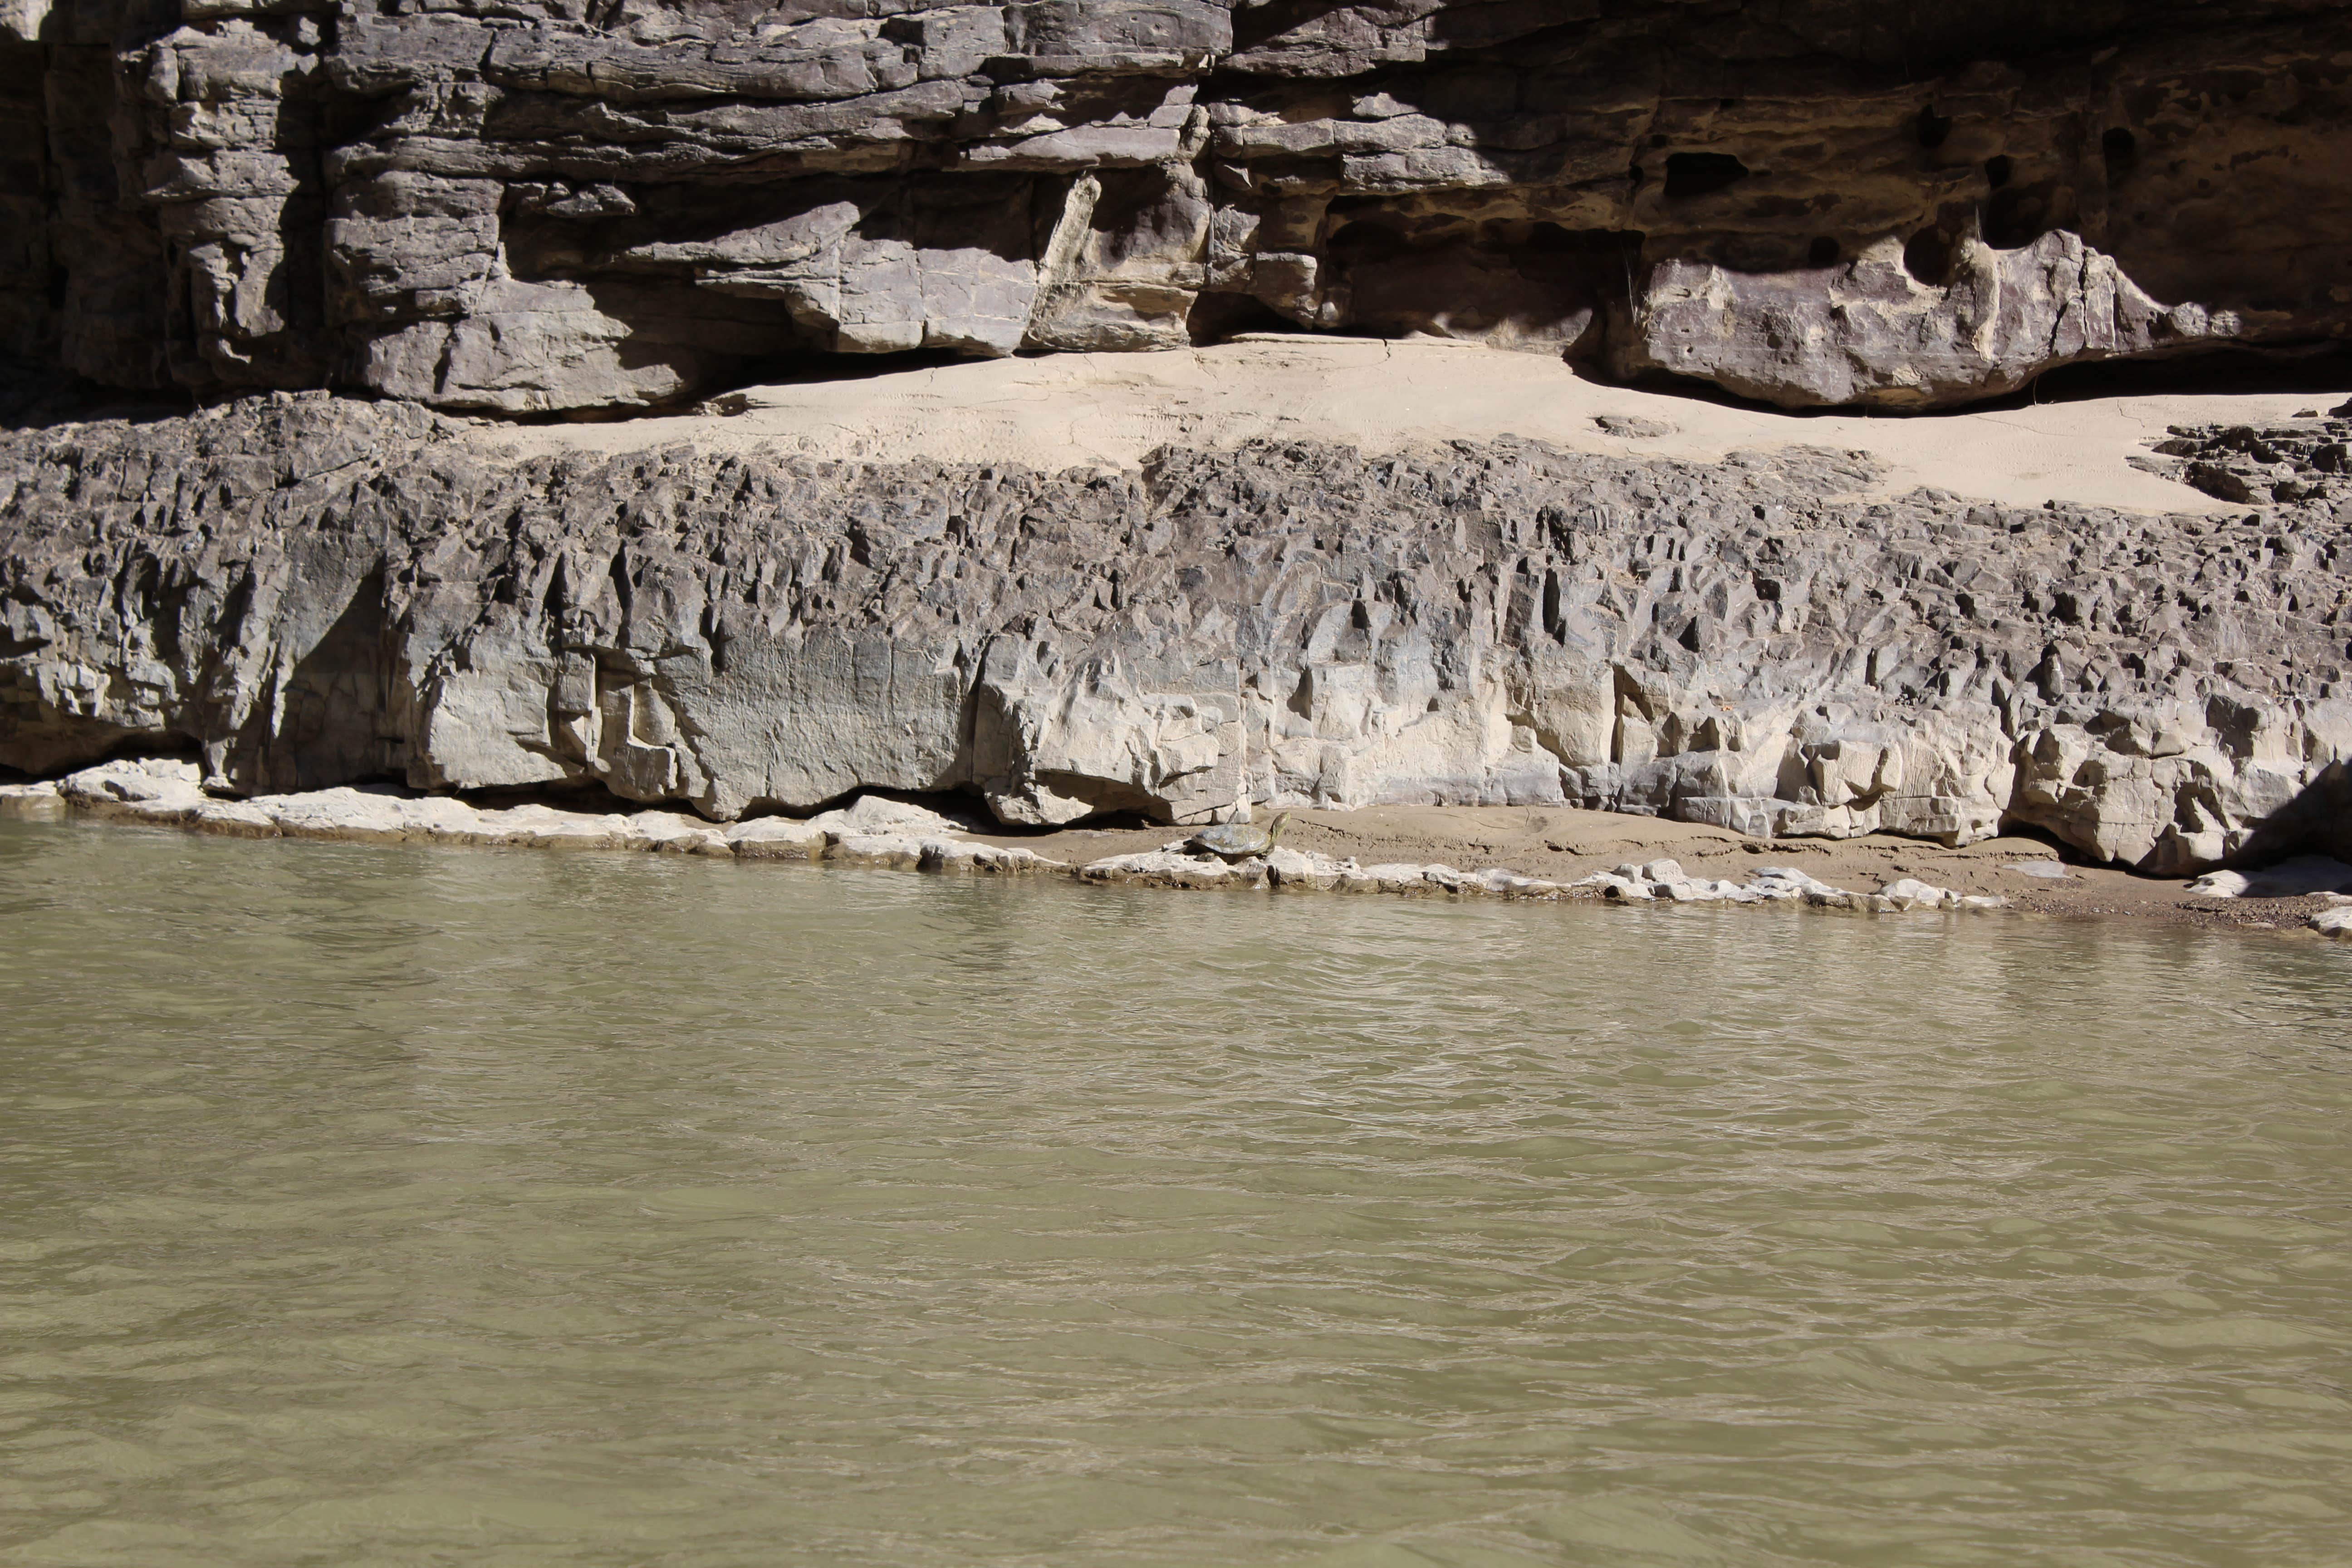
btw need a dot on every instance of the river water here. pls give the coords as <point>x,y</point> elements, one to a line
<point>367,1206</point>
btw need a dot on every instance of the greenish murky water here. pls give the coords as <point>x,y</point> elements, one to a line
<point>463,1207</point>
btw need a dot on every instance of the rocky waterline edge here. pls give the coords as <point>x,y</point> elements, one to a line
<point>877,831</point>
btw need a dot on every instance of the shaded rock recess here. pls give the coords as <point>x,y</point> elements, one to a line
<point>546,205</point>
<point>306,592</point>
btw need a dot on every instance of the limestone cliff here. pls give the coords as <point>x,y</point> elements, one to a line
<point>534,205</point>
<point>310,590</point>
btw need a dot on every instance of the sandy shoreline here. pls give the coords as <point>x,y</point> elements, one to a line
<point>1542,852</point>
<point>1563,844</point>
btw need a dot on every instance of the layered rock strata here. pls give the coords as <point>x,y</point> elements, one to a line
<point>535,205</point>
<point>306,592</point>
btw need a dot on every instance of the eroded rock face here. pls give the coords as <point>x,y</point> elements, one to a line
<point>535,205</point>
<point>310,592</point>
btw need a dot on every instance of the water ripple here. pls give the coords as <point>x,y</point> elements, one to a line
<point>409,1206</point>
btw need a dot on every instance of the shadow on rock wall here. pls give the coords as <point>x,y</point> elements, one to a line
<point>1825,202</point>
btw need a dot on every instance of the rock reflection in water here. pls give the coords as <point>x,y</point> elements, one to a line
<point>400,1205</point>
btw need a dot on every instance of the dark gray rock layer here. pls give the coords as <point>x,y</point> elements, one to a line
<point>312,590</point>
<point>528,206</point>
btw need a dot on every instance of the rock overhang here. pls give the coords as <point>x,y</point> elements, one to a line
<point>544,207</point>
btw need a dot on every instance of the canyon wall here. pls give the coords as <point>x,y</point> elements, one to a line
<point>547,206</point>
<point>347,229</point>
<point>307,590</point>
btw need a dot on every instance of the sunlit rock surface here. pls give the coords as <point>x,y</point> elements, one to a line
<point>307,592</point>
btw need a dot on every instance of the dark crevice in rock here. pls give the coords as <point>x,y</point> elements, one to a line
<point>1701,174</point>
<point>2315,368</point>
<point>1928,257</point>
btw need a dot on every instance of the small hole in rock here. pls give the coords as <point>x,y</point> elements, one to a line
<point>1701,174</point>
<point>1824,252</point>
<point>2120,146</point>
<point>1998,171</point>
<point>1933,127</point>
<point>2013,218</point>
<point>1928,257</point>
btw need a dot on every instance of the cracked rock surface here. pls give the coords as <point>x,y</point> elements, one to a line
<point>538,205</point>
<point>307,592</point>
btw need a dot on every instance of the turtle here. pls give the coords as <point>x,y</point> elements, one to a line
<point>1236,840</point>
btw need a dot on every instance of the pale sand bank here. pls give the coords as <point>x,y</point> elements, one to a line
<point>1110,410</point>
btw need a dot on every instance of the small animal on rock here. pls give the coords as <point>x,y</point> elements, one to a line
<point>1236,840</point>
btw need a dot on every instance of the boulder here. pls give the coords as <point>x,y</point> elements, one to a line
<point>1166,869</point>
<point>32,801</point>
<point>776,839</point>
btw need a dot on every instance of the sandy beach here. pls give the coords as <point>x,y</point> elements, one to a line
<point>1112,410</point>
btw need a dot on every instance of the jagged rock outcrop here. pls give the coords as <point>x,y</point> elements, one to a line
<point>309,590</point>
<point>534,205</point>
